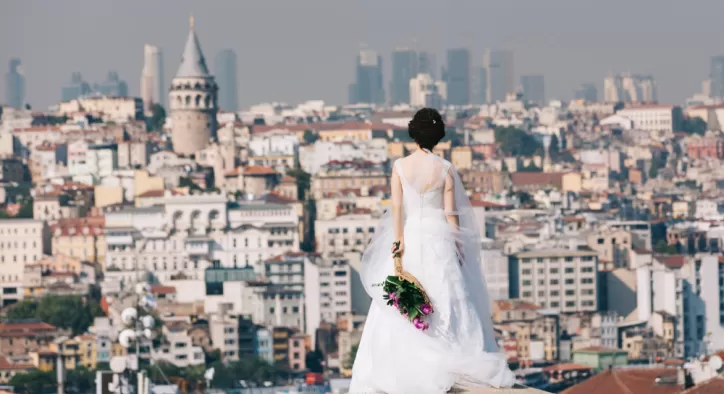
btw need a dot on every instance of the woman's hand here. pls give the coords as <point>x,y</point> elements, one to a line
<point>398,247</point>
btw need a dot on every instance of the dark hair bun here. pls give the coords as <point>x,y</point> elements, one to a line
<point>427,128</point>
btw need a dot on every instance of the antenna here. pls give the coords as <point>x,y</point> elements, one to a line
<point>192,24</point>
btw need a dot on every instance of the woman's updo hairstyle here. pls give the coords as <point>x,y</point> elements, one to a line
<point>427,128</point>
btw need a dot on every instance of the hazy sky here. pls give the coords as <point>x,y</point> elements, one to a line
<point>294,50</point>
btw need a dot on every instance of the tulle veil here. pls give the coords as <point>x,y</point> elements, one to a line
<point>377,263</point>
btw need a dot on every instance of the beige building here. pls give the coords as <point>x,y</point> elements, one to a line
<point>613,247</point>
<point>22,242</point>
<point>559,279</point>
<point>81,238</point>
<point>337,177</point>
<point>110,109</point>
<point>461,158</point>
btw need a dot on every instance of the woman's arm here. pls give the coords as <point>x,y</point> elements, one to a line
<point>449,201</point>
<point>396,188</point>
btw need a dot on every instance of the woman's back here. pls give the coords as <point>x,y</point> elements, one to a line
<point>422,176</point>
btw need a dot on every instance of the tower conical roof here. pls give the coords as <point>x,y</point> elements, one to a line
<point>192,60</point>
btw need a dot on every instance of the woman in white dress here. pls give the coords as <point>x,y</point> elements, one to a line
<point>433,220</point>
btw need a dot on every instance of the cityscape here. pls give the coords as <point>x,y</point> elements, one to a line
<point>160,235</point>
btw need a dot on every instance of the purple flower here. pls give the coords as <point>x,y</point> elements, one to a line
<point>395,304</point>
<point>425,326</point>
<point>419,324</point>
<point>392,296</point>
<point>426,309</point>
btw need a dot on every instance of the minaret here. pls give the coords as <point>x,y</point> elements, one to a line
<point>192,100</point>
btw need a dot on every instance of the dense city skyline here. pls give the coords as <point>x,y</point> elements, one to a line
<point>567,42</point>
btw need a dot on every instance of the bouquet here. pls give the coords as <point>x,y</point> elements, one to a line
<point>405,293</point>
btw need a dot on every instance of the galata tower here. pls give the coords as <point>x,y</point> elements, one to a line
<point>192,100</point>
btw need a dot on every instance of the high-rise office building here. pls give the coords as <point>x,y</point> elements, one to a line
<point>717,77</point>
<point>368,80</point>
<point>629,88</point>
<point>14,85</point>
<point>152,90</point>
<point>480,85</point>
<point>112,86</point>
<point>426,92</point>
<point>225,74</point>
<point>458,76</point>
<point>77,87</point>
<point>587,92</point>
<point>426,64</point>
<point>533,88</point>
<point>501,74</point>
<point>404,68</point>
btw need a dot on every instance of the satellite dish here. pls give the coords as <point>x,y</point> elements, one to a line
<point>129,315</point>
<point>118,364</point>
<point>209,374</point>
<point>127,338</point>
<point>716,362</point>
<point>148,321</point>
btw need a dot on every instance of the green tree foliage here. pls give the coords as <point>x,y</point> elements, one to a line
<point>71,312</point>
<point>695,125</point>
<point>33,382</point>
<point>554,149</point>
<point>157,119</point>
<point>187,182</point>
<point>530,168</point>
<point>516,142</point>
<point>313,361</point>
<point>304,182</point>
<point>250,369</point>
<point>349,362</point>
<point>663,247</point>
<point>26,210</point>
<point>310,137</point>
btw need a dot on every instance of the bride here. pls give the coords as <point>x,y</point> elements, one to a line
<point>440,244</point>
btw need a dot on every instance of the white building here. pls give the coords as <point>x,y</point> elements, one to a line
<point>709,209</point>
<point>426,92</point>
<point>495,269</point>
<point>312,157</point>
<point>658,119</point>
<point>180,350</point>
<point>224,335</point>
<point>89,161</point>
<point>345,233</point>
<point>22,242</point>
<point>559,279</point>
<point>279,143</point>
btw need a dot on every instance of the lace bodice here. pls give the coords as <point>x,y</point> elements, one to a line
<point>423,186</point>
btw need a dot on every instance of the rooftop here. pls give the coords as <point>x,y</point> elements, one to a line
<point>634,381</point>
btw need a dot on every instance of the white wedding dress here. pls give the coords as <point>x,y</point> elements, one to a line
<point>442,250</point>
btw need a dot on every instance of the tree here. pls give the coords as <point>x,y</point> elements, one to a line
<point>33,382</point>
<point>71,312</point>
<point>313,361</point>
<point>304,182</point>
<point>554,149</point>
<point>516,142</point>
<point>663,247</point>
<point>525,199</point>
<point>531,167</point>
<point>158,117</point>
<point>349,362</point>
<point>695,125</point>
<point>26,210</point>
<point>310,137</point>
<point>28,107</point>
<point>187,182</point>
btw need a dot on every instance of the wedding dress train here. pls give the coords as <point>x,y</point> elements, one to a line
<point>459,349</point>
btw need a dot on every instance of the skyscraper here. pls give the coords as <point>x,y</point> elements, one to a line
<point>193,100</point>
<point>77,87</point>
<point>152,90</point>
<point>533,88</point>
<point>368,81</point>
<point>480,85</point>
<point>458,76</point>
<point>587,92</point>
<point>501,74</point>
<point>426,64</point>
<point>630,88</point>
<point>404,68</point>
<point>14,85</point>
<point>717,77</point>
<point>225,74</point>
<point>112,86</point>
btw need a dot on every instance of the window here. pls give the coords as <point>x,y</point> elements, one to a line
<point>587,280</point>
<point>569,281</point>
<point>526,272</point>
<point>540,260</point>
<point>570,304</point>
<point>600,241</point>
<point>526,294</point>
<point>554,282</point>
<point>570,292</point>
<point>555,293</point>
<point>569,270</point>
<point>359,230</point>
<point>587,269</point>
<point>554,270</point>
<point>526,283</point>
<point>554,304</point>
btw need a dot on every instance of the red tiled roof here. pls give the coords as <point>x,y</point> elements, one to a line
<point>642,251</point>
<point>507,305</point>
<point>76,226</point>
<point>158,289</point>
<point>153,193</point>
<point>633,381</point>
<point>259,170</point>
<point>288,178</point>
<point>599,349</point>
<point>537,178</point>
<point>24,328</point>
<point>5,365</point>
<point>566,367</point>
<point>675,261</point>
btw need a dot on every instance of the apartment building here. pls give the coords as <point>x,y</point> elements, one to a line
<point>560,279</point>
<point>22,242</point>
